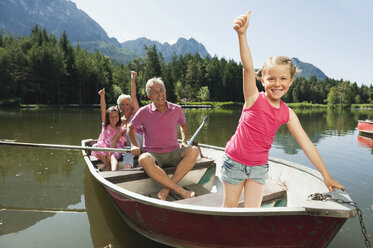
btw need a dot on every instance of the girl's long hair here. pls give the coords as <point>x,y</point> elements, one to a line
<point>108,112</point>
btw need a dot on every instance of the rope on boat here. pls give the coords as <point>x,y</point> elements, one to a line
<point>327,197</point>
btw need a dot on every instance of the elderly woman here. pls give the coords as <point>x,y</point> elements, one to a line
<point>129,104</point>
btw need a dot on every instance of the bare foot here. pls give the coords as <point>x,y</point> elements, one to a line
<point>101,167</point>
<point>188,194</point>
<point>162,195</point>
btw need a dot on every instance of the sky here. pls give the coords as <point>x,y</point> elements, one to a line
<point>334,35</point>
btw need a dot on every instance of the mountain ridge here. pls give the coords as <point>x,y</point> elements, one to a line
<point>17,17</point>
<point>308,70</point>
<point>181,47</point>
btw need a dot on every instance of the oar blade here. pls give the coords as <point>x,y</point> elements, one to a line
<point>197,131</point>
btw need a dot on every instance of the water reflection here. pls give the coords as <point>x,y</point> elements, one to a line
<point>317,123</point>
<point>13,221</point>
<point>366,140</point>
<point>106,224</point>
<point>33,178</point>
<point>220,126</point>
<point>38,180</point>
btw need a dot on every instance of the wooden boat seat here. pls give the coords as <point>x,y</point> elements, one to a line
<point>272,193</point>
<point>138,173</point>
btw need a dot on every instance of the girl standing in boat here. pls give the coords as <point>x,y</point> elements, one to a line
<point>111,134</point>
<point>245,164</point>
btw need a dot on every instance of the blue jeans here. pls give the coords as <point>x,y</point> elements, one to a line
<point>233,172</point>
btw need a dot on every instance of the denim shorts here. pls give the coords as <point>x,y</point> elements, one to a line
<point>233,172</point>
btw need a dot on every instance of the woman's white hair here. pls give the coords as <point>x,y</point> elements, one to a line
<point>123,97</point>
<point>151,82</point>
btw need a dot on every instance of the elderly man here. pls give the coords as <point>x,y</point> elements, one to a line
<point>160,120</point>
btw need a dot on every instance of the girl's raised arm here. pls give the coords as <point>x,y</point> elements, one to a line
<point>133,92</point>
<point>250,90</point>
<point>102,105</point>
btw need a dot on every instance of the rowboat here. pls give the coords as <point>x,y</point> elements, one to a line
<point>365,126</point>
<point>288,216</point>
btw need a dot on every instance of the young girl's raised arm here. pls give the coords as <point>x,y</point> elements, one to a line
<point>250,90</point>
<point>310,150</point>
<point>133,92</point>
<point>102,105</point>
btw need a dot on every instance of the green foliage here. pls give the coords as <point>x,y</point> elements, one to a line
<point>362,106</point>
<point>304,105</point>
<point>114,92</point>
<point>220,105</point>
<point>16,102</point>
<point>40,69</point>
<point>341,94</point>
<point>203,94</point>
<point>117,54</point>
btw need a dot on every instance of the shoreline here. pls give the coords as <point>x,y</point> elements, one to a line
<point>44,106</point>
<point>202,105</point>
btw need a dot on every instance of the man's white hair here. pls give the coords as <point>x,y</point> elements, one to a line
<point>151,82</point>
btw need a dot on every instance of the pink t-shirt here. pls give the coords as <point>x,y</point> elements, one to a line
<point>255,132</point>
<point>104,140</point>
<point>124,126</point>
<point>160,129</point>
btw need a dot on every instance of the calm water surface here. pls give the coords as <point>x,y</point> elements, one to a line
<point>48,198</point>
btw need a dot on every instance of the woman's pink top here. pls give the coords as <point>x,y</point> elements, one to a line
<point>255,132</point>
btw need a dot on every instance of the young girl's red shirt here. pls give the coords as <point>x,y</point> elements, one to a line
<point>255,132</point>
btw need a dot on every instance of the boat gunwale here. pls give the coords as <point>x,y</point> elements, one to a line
<point>269,211</point>
<point>365,121</point>
<point>363,131</point>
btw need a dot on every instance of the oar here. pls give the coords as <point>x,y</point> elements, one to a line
<point>87,148</point>
<point>197,131</point>
<point>63,147</point>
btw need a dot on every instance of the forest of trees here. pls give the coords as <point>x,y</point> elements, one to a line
<point>41,69</point>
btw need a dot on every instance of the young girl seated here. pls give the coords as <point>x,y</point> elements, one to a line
<point>110,136</point>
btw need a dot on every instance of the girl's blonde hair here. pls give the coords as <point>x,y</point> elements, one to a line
<point>278,60</point>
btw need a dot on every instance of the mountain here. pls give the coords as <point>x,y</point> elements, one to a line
<point>17,17</point>
<point>115,53</point>
<point>308,70</point>
<point>181,47</point>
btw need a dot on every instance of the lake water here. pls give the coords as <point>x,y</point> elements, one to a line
<point>48,198</point>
